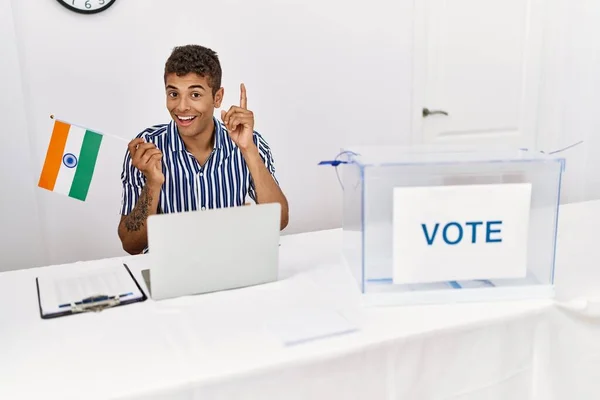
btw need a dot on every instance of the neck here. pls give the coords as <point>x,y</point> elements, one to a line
<point>203,141</point>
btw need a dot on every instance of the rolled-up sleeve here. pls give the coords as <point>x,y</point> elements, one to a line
<point>267,156</point>
<point>133,183</point>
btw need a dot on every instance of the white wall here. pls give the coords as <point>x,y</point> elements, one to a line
<point>319,74</point>
<point>21,242</point>
<point>582,99</point>
<point>570,94</point>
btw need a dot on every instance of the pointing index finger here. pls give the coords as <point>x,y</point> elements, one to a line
<point>243,98</point>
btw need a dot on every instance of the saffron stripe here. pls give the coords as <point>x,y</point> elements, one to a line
<point>86,165</point>
<point>54,155</point>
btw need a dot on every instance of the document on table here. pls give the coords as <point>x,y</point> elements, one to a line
<point>302,311</point>
<point>59,290</point>
<point>305,324</point>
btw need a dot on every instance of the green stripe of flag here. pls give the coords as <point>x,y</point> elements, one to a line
<point>86,164</point>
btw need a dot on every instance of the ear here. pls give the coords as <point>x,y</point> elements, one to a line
<point>219,97</point>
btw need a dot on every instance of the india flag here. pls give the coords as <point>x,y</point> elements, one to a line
<point>70,160</point>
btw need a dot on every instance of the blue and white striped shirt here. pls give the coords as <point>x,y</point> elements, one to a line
<point>223,181</point>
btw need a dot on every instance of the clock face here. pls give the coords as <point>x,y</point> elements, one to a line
<point>87,6</point>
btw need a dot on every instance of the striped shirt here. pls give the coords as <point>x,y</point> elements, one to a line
<point>223,181</point>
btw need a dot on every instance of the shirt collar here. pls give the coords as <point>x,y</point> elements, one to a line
<point>176,143</point>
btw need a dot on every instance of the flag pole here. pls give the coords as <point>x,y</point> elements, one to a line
<point>103,134</point>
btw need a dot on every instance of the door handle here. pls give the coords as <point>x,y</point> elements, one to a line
<point>427,112</point>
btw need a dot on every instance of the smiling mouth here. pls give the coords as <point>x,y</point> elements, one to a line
<point>186,119</point>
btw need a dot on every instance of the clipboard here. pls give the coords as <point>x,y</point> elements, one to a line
<point>92,303</point>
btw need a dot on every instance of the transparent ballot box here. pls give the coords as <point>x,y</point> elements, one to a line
<point>446,224</point>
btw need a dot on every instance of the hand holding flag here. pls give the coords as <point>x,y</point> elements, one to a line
<point>147,158</point>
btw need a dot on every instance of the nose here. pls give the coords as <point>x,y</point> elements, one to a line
<point>183,105</point>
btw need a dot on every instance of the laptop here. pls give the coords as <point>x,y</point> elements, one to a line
<point>206,251</point>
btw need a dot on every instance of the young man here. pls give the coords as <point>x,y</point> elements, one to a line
<point>195,162</point>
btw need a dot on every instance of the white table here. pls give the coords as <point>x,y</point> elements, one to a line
<point>217,346</point>
<point>570,352</point>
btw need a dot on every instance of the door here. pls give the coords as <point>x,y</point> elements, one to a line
<point>476,72</point>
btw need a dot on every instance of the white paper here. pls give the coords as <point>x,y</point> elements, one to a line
<point>109,278</point>
<point>428,222</point>
<point>299,325</point>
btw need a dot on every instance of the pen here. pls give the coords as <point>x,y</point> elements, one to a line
<point>93,299</point>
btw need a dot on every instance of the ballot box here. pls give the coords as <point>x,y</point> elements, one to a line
<point>436,224</point>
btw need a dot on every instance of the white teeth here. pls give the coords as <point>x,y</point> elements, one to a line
<point>185,118</point>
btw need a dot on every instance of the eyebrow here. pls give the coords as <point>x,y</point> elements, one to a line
<point>190,87</point>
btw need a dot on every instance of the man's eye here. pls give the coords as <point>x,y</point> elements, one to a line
<point>173,94</point>
<point>195,95</point>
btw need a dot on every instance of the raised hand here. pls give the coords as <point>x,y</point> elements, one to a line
<point>147,158</point>
<point>240,122</point>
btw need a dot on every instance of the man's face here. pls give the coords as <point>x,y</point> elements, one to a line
<point>191,103</point>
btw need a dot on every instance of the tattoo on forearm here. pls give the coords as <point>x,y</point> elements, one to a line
<point>137,218</point>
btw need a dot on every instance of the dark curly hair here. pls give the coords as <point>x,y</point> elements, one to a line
<point>198,59</point>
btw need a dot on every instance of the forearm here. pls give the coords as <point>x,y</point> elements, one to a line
<point>267,190</point>
<point>133,227</point>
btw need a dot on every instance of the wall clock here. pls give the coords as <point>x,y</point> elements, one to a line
<point>87,6</point>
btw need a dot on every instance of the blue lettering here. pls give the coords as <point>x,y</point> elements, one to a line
<point>489,231</point>
<point>474,229</point>
<point>427,237</point>
<point>445,233</point>
<point>491,228</point>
